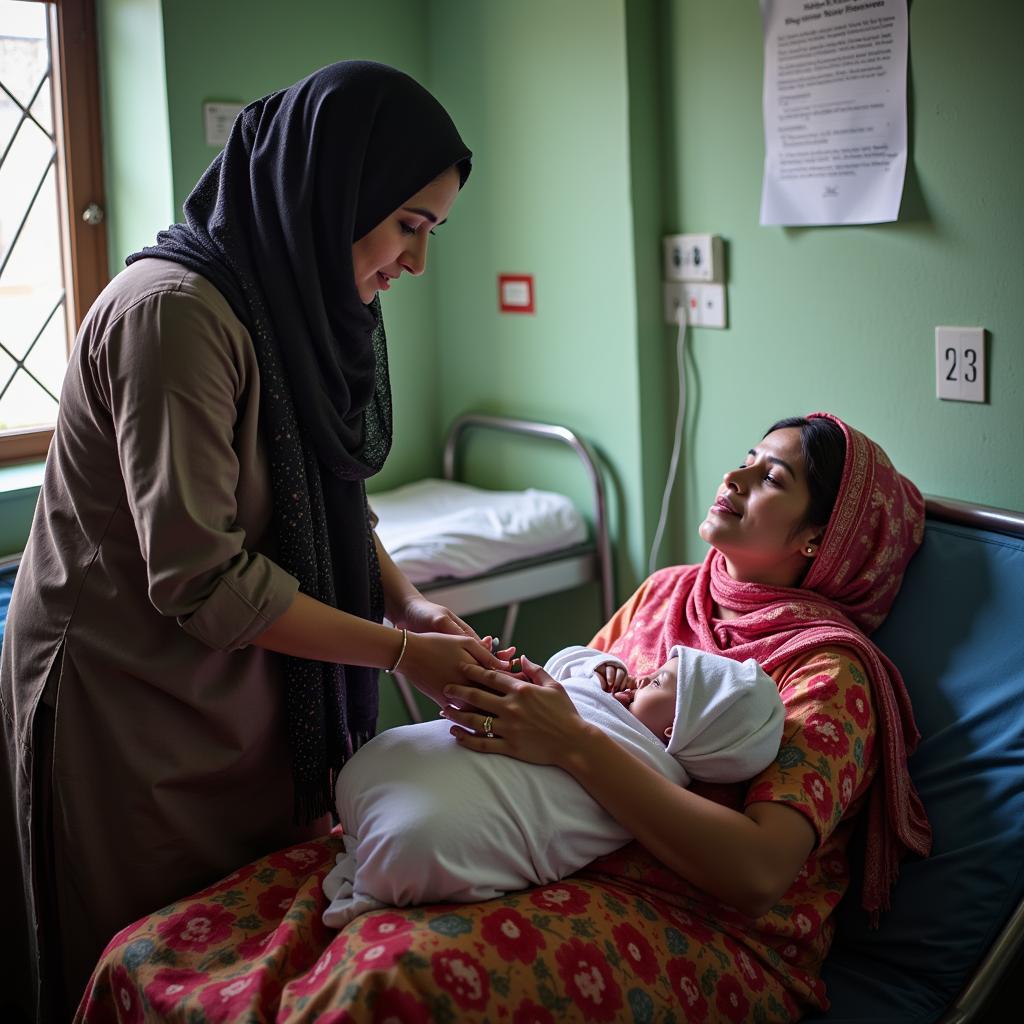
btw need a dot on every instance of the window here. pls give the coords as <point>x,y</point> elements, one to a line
<point>53,259</point>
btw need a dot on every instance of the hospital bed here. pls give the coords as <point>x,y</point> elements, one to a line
<point>474,550</point>
<point>947,949</point>
<point>945,953</point>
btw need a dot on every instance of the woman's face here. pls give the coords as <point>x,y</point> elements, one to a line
<point>399,242</point>
<point>759,505</point>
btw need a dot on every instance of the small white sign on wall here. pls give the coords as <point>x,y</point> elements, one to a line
<point>960,364</point>
<point>218,119</point>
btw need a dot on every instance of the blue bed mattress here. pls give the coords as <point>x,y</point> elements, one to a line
<point>957,634</point>
<point>6,586</point>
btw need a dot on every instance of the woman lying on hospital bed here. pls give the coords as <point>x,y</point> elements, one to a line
<point>427,821</point>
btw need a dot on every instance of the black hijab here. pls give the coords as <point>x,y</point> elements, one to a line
<point>305,173</point>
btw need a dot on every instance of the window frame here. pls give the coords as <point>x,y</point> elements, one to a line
<point>80,155</point>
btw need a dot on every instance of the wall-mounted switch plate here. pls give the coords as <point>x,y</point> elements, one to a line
<point>960,363</point>
<point>693,258</point>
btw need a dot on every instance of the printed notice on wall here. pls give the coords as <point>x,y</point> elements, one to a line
<point>835,111</point>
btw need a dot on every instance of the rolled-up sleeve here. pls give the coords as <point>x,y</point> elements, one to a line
<point>172,373</point>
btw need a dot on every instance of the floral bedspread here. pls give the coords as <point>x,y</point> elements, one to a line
<point>610,944</point>
<point>623,940</point>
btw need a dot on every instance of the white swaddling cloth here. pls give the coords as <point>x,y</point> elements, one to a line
<point>428,821</point>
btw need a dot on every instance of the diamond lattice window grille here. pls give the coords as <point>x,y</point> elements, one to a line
<point>33,337</point>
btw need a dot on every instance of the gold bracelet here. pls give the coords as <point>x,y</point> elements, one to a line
<point>401,653</point>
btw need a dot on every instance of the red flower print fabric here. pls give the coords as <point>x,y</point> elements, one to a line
<point>381,927</point>
<point>636,951</point>
<point>463,977</point>
<point>125,997</point>
<point>170,987</point>
<point>822,764</point>
<point>686,987</point>
<point>589,980</point>
<point>231,1000</point>
<point>394,1005</point>
<point>528,1012</point>
<point>563,898</point>
<point>198,928</point>
<point>624,939</point>
<point>730,1000</point>
<point>512,935</point>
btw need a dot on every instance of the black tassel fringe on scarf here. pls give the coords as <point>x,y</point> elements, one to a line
<point>305,173</point>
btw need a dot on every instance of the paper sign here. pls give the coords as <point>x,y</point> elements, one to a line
<point>835,111</point>
<point>218,119</point>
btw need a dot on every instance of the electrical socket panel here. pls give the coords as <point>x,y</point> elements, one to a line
<point>704,303</point>
<point>712,306</point>
<point>693,258</point>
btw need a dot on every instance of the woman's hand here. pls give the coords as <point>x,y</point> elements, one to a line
<point>531,719</point>
<point>435,660</point>
<point>420,615</point>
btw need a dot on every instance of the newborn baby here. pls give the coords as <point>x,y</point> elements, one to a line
<point>428,821</point>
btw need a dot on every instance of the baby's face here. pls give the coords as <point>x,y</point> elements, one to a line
<point>654,699</point>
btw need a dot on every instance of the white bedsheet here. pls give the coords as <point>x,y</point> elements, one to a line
<point>437,528</point>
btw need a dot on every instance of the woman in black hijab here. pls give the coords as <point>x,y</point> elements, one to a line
<point>204,506</point>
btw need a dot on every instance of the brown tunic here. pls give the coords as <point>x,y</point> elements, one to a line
<point>145,578</point>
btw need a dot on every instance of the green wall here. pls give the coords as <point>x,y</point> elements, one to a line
<point>540,91</point>
<point>599,125</point>
<point>843,318</point>
<point>137,142</point>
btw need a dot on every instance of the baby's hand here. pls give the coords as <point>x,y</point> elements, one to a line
<point>613,676</point>
<point>513,664</point>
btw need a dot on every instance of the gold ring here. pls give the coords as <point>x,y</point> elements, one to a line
<point>488,726</point>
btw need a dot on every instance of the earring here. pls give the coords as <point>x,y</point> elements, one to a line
<point>808,550</point>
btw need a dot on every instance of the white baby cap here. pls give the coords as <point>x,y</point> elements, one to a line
<point>729,717</point>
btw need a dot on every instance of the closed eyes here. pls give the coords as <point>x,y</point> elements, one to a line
<point>408,229</point>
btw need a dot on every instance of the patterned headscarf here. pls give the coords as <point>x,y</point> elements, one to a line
<point>875,528</point>
<point>305,173</point>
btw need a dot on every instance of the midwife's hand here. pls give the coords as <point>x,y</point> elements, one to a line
<point>435,660</point>
<point>531,720</point>
<point>422,616</point>
<point>613,677</point>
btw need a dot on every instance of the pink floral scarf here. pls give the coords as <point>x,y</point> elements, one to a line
<point>875,528</point>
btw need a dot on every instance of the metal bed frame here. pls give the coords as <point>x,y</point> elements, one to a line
<point>509,585</point>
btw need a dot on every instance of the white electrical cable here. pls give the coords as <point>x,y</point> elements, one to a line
<point>678,443</point>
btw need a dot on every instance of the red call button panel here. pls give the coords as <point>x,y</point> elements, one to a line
<point>515,293</point>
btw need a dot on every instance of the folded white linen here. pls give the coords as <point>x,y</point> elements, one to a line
<point>427,820</point>
<point>439,528</point>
